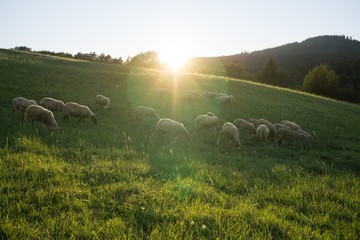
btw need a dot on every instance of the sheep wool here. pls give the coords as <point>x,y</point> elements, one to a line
<point>20,104</point>
<point>36,113</point>
<point>230,132</point>
<point>167,125</point>
<point>52,104</point>
<point>245,126</point>
<point>208,121</point>
<point>262,132</point>
<point>76,110</point>
<point>102,101</point>
<point>146,112</point>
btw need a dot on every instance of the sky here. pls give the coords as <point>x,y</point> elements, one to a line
<point>174,29</point>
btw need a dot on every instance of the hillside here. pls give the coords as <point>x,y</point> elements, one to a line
<point>294,59</point>
<point>118,180</point>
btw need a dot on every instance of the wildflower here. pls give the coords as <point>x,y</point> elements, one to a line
<point>203,227</point>
<point>192,223</point>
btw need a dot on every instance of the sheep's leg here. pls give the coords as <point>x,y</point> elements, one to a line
<point>218,141</point>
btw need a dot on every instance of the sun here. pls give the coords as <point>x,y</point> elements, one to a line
<point>173,60</point>
<point>174,51</point>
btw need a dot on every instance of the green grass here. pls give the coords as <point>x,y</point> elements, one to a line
<point>115,180</point>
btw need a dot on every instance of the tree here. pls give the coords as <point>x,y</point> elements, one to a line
<point>23,48</point>
<point>271,75</point>
<point>233,70</point>
<point>146,60</point>
<point>321,80</point>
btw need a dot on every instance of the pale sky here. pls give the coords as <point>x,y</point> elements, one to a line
<point>183,28</point>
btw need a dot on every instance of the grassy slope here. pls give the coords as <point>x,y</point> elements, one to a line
<point>114,179</point>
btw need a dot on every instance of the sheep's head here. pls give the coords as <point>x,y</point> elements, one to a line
<point>93,118</point>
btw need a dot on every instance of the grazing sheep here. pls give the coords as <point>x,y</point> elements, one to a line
<point>102,101</point>
<point>52,104</point>
<point>289,136</point>
<point>269,125</point>
<point>262,132</point>
<point>36,113</point>
<point>163,92</point>
<point>208,122</point>
<point>192,95</point>
<point>294,126</point>
<point>146,112</point>
<point>279,125</point>
<point>245,126</point>
<point>230,132</point>
<point>224,100</point>
<point>20,104</point>
<point>76,110</point>
<point>209,95</point>
<point>253,121</point>
<point>307,135</point>
<point>167,125</point>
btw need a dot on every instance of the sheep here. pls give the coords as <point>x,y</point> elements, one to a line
<point>262,132</point>
<point>269,125</point>
<point>167,125</point>
<point>20,104</point>
<point>36,113</point>
<point>279,125</point>
<point>245,126</point>
<point>192,95</point>
<point>209,95</point>
<point>307,135</point>
<point>230,132</point>
<point>208,121</point>
<point>294,126</point>
<point>253,121</point>
<point>102,101</point>
<point>224,100</point>
<point>52,104</point>
<point>76,110</point>
<point>146,112</point>
<point>289,136</point>
<point>162,92</point>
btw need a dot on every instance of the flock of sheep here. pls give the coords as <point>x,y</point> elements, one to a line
<point>285,132</point>
<point>44,111</point>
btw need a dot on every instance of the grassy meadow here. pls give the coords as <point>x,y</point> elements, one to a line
<point>116,180</point>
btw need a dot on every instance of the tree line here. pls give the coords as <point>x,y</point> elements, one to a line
<point>92,56</point>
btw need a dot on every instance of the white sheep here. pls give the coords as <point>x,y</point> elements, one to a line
<point>209,95</point>
<point>245,126</point>
<point>146,112</point>
<point>52,104</point>
<point>279,125</point>
<point>36,113</point>
<point>163,92</point>
<point>269,125</point>
<point>169,126</point>
<point>307,135</point>
<point>20,104</point>
<point>76,110</point>
<point>262,132</point>
<point>192,95</point>
<point>253,121</point>
<point>289,136</point>
<point>294,126</point>
<point>102,101</point>
<point>224,100</point>
<point>208,121</point>
<point>230,132</point>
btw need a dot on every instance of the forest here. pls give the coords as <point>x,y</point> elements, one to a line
<point>287,65</point>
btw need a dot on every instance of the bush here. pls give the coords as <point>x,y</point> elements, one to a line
<point>321,80</point>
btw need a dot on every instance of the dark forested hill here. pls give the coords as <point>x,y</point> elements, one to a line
<point>294,60</point>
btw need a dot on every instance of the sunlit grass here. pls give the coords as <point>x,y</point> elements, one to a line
<point>116,180</point>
